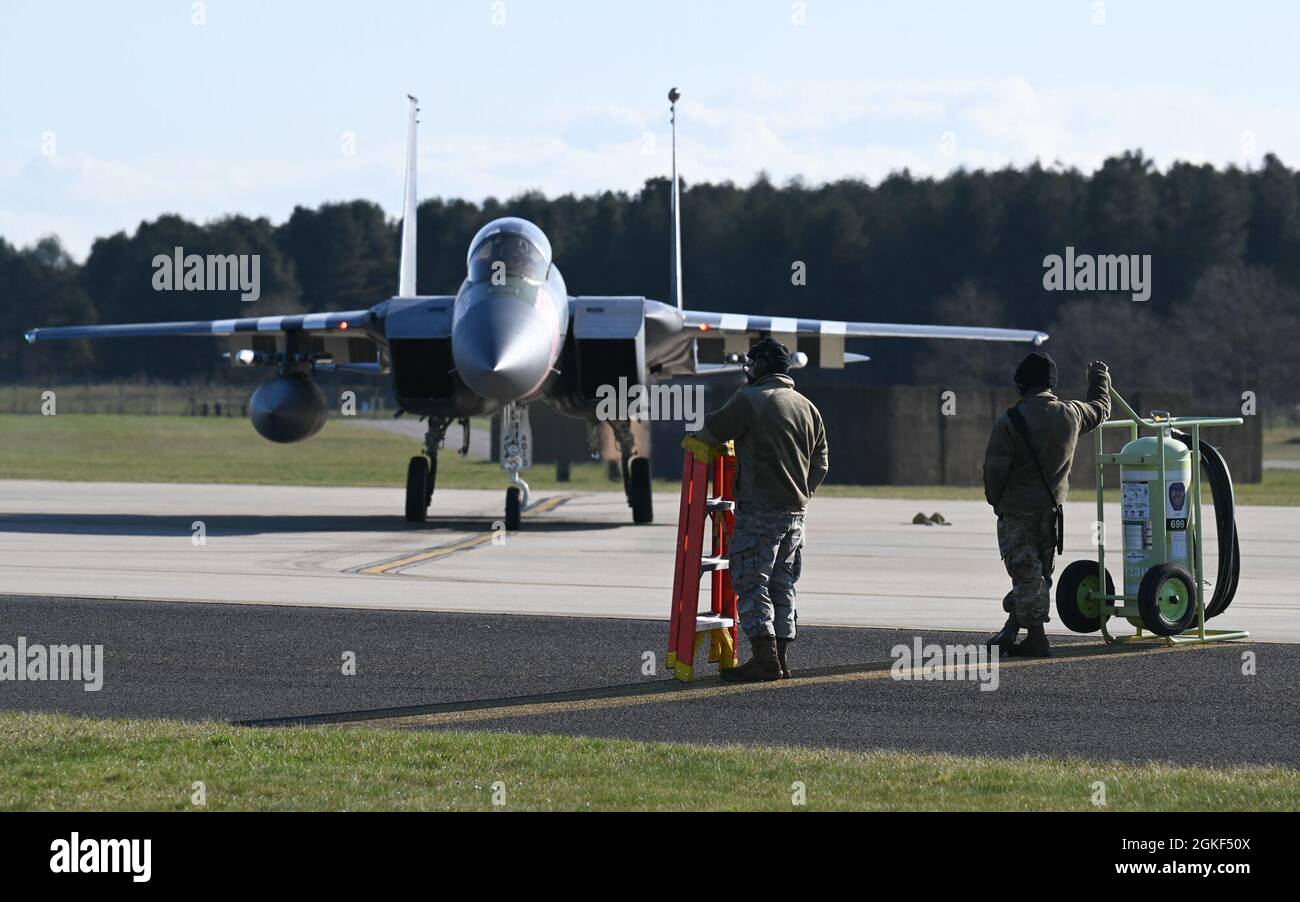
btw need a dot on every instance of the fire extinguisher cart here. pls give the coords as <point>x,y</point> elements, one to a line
<point>1164,569</point>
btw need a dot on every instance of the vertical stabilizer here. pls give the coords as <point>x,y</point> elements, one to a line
<point>406,272</point>
<point>676,212</point>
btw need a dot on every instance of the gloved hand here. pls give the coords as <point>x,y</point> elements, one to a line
<point>1098,366</point>
<point>706,452</point>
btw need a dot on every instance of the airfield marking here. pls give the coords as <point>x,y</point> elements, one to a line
<point>392,566</point>
<point>659,691</point>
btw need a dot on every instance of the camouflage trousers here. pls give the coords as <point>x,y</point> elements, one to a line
<point>1027,543</point>
<point>766,556</point>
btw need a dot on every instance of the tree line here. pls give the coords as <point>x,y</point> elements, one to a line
<point>968,248</point>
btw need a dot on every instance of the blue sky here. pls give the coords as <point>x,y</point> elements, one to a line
<point>111,113</point>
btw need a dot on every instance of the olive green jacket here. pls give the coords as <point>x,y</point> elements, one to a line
<point>781,454</point>
<point>1011,482</point>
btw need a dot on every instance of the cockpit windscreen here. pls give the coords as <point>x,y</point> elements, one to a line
<point>508,254</point>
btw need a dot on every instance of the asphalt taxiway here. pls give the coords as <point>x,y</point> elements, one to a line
<point>420,670</point>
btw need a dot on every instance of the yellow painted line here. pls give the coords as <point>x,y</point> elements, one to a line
<point>391,567</point>
<point>871,672</point>
<point>388,568</point>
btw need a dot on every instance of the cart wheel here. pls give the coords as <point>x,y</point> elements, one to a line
<point>1167,599</point>
<point>1076,609</point>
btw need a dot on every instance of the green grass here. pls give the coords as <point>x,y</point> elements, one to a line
<point>1280,488</point>
<point>56,762</point>
<point>1282,442</point>
<point>102,448</point>
<point>127,448</point>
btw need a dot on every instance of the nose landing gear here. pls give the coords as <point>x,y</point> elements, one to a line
<point>516,455</point>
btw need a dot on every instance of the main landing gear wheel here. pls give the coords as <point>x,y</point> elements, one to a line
<point>1077,610</point>
<point>514,507</point>
<point>1167,599</point>
<point>638,492</point>
<point>432,481</point>
<point>419,489</point>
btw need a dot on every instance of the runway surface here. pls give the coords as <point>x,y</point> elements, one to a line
<point>586,677</point>
<point>865,563</point>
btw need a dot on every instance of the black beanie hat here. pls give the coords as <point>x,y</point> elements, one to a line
<point>1036,372</point>
<point>773,353</point>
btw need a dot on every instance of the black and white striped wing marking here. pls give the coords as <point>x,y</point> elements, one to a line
<point>303,322</point>
<point>740,330</point>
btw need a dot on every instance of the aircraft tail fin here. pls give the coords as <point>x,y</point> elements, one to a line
<point>675,261</point>
<point>406,271</point>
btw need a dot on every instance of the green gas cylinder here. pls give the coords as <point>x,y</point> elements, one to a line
<point>1156,519</point>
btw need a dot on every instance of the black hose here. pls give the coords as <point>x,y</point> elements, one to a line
<point>1225,517</point>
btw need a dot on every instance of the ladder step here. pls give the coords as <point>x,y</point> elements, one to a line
<point>716,505</point>
<point>708,564</point>
<point>707,622</point>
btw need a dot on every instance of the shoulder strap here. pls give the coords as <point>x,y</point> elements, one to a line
<point>1017,420</point>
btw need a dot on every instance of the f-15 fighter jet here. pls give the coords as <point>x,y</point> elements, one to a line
<point>510,336</point>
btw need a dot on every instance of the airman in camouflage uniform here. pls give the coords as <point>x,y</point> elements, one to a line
<point>781,459</point>
<point>1026,480</point>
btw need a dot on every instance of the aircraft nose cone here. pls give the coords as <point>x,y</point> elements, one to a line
<point>502,348</point>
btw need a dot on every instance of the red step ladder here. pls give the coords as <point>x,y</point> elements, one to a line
<point>688,626</point>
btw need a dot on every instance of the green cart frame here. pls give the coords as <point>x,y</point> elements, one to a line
<point>1126,605</point>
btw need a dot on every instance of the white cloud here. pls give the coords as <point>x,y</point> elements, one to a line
<point>819,130</point>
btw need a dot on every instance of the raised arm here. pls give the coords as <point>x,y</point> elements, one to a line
<point>1096,410</point>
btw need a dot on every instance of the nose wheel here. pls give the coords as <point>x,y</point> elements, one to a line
<point>514,507</point>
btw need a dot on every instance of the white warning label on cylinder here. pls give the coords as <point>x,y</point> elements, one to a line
<point>1178,546</point>
<point>1133,538</point>
<point>1135,502</point>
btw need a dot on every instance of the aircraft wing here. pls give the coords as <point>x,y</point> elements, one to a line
<point>800,361</point>
<point>304,322</point>
<point>777,326</point>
